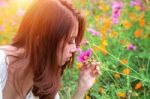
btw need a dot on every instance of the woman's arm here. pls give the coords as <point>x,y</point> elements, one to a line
<point>88,73</point>
<point>79,93</point>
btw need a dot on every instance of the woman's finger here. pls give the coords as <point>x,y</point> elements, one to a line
<point>96,70</point>
<point>95,73</point>
<point>84,66</point>
<point>94,65</point>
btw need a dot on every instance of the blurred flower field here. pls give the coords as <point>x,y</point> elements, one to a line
<point>117,35</point>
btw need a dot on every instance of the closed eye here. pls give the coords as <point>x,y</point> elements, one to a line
<point>72,41</point>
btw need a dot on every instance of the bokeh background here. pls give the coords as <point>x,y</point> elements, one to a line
<point>118,35</point>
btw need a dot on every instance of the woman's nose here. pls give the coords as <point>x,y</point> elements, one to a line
<point>74,49</point>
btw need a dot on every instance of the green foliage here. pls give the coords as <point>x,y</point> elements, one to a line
<point>110,48</point>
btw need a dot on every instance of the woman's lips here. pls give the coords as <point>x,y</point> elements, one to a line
<point>68,58</point>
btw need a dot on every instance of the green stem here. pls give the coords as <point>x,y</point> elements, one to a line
<point>120,61</point>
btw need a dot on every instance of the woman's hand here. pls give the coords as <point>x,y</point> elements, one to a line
<point>88,73</point>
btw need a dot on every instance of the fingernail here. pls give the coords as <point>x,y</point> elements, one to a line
<point>98,63</point>
<point>85,62</point>
<point>93,63</point>
<point>97,67</point>
<point>99,72</point>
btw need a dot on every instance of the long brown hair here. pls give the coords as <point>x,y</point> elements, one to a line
<point>45,24</point>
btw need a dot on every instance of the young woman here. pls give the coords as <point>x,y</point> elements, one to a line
<point>32,65</point>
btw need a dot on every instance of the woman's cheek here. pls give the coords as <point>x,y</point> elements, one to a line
<point>66,50</point>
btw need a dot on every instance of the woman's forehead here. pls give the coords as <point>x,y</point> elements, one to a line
<point>74,32</point>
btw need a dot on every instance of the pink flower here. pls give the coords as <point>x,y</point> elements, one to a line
<point>2,27</point>
<point>131,47</point>
<point>79,49</point>
<point>117,5</point>
<point>93,32</point>
<point>115,20</point>
<point>135,3</point>
<point>138,3</point>
<point>84,42</point>
<point>13,23</point>
<point>116,10</point>
<point>20,12</point>
<point>84,55</point>
<point>3,4</point>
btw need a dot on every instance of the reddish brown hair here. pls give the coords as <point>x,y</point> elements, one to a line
<point>45,24</point>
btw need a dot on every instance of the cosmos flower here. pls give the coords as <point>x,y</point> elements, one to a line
<point>20,12</point>
<point>121,94</point>
<point>126,71</point>
<point>84,42</point>
<point>79,49</point>
<point>142,22</point>
<point>13,23</point>
<point>93,32</point>
<point>78,66</point>
<point>126,24</point>
<point>84,55</point>
<point>117,75</point>
<point>131,47</point>
<point>138,33</point>
<point>135,3</point>
<point>116,10</point>
<point>124,61</point>
<point>3,4</point>
<point>139,5</point>
<point>138,86</point>
<point>2,27</point>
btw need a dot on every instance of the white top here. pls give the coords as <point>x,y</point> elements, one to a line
<point>3,76</point>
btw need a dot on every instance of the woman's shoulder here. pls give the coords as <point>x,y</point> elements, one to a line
<point>10,53</point>
<point>8,49</point>
<point>3,58</point>
<point>31,96</point>
<point>2,71</point>
<point>3,68</point>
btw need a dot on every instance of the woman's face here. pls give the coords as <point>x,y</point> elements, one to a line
<point>69,48</point>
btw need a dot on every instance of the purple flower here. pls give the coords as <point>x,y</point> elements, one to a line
<point>116,10</point>
<point>138,3</point>
<point>115,20</point>
<point>117,5</point>
<point>13,23</point>
<point>131,47</point>
<point>84,42</point>
<point>79,49</point>
<point>1,28</point>
<point>135,3</point>
<point>20,12</point>
<point>3,4</point>
<point>84,55</point>
<point>116,14</point>
<point>93,32</point>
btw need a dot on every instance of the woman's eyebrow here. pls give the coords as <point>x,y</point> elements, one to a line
<point>73,37</point>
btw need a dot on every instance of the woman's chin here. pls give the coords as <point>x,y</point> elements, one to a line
<point>64,62</point>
